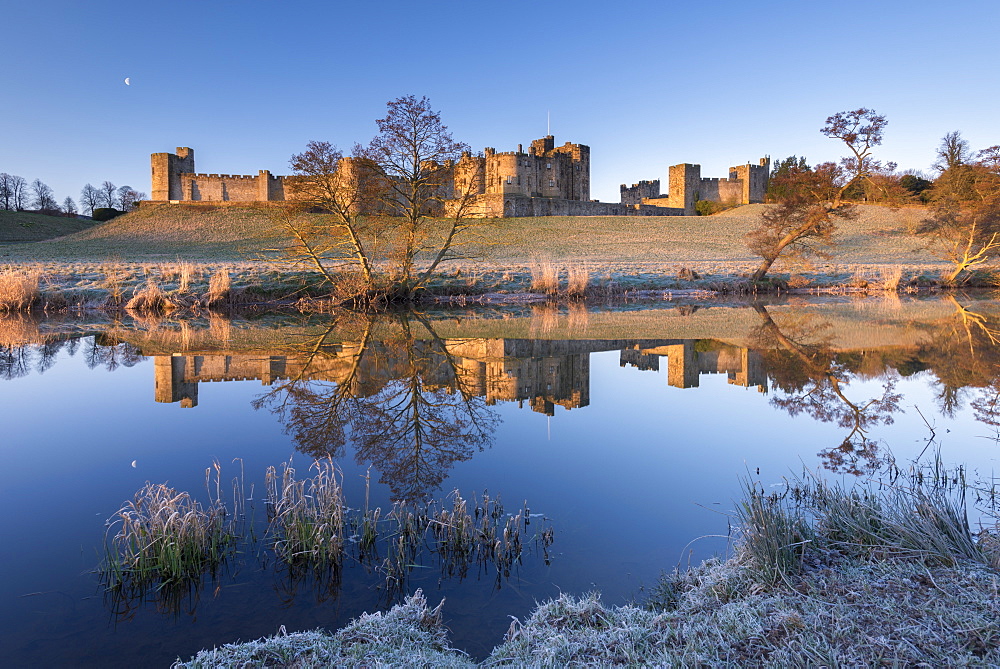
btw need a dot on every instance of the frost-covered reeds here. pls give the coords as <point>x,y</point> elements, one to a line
<point>307,515</point>
<point>166,536</point>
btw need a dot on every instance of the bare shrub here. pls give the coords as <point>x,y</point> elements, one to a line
<point>219,286</point>
<point>150,299</point>
<point>578,280</point>
<point>544,277</point>
<point>19,289</point>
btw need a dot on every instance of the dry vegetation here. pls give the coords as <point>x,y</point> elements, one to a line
<point>822,576</point>
<point>589,256</point>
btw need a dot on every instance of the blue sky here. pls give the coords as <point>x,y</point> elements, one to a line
<point>644,84</point>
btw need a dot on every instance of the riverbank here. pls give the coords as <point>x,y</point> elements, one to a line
<point>175,252</point>
<point>820,575</point>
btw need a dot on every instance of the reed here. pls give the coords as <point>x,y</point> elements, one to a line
<point>187,273</point>
<point>19,290</point>
<point>219,287</point>
<point>578,280</point>
<point>544,277</point>
<point>307,516</point>
<point>166,536</point>
<point>150,299</point>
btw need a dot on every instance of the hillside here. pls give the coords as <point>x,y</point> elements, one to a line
<point>22,226</point>
<point>713,244</point>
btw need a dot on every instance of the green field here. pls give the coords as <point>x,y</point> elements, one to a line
<point>617,254</point>
<point>212,234</point>
<point>23,226</point>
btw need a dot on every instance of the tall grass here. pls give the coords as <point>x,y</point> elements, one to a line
<point>923,520</point>
<point>166,536</point>
<point>219,287</point>
<point>150,299</point>
<point>307,516</point>
<point>544,277</point>
<point>19,290</point>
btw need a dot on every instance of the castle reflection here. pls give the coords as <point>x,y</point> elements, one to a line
<point>536,372</point>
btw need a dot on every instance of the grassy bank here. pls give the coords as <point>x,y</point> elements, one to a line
<point>820,576</point>
<point>589,257</point>
<point>23,226</point>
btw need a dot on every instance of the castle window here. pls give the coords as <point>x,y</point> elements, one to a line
<point>548,166</point>
<point>510,180</point>
<point>552,183</point>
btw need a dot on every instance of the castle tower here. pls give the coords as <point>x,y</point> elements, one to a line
<point>755,179</point>
<point>684,181</point>
<point>166,170</point>
<point>170,385</point>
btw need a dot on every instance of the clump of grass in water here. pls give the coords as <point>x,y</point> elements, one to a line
<point>307,516</point>
<point>166,536</point>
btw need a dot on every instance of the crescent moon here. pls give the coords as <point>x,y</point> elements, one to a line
<point>127,81</point>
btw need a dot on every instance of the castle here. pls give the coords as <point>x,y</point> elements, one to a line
<point>547,180</point>
<point>542,373</point>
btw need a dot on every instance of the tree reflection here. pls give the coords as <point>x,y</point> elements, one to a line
<point>110,354</point>
<point>15,361</point>
<point>402,400</point>
<point>964,353</point>
<point>811,380</point>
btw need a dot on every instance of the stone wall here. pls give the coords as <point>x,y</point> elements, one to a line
<point>746,184</point>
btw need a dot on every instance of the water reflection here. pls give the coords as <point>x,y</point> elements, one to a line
<point>415,402</point>
<point>809,378</point>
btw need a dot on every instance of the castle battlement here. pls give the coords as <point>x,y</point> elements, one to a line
<point>545,180</point>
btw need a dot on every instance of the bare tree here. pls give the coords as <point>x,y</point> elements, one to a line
<point>18,192</point>
<point>860,130</point>
<point>344,189</point>
<point>42,197</point>
<point>383,209</point>
<point>127,197</point>
<point>415,154</point>
<point>952,152</point>
<point>108,193</point>
<point>90,199</point>
<point>69,207</point>
<point>6,191</point>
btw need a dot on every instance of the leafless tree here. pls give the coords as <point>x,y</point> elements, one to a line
<point>860,130</point>
<point>127,197</point>
<point>108,194</point>
<point>952,152</point>
<point>383,209</point>
<point>18,188</point>
<point>69,207</point>
<point>42,197</point>
<point>415,155</point>
<point>6,191</point>
<point>90,199</point>
<point>344,190</point>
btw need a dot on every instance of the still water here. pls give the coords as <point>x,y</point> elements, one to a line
<point>626,431</point>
